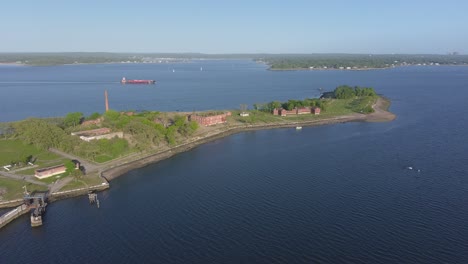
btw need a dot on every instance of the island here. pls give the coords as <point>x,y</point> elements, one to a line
<point>73,155</point>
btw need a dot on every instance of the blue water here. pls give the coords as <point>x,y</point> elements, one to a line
<point>330,194</point>
<point>58,90</point>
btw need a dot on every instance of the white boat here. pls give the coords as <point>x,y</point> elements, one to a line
<point>298,127</point>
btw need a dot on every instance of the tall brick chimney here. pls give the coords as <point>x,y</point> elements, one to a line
<point>107,100</point>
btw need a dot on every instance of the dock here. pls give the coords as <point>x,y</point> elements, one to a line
<point>38,202</point>
<point>92,196</point>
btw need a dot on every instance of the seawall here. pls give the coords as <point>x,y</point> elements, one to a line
<point>119,170</point>
<point>77,192</point>
<point>11,203</point>
<point>13,214</point>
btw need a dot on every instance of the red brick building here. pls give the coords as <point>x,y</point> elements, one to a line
<point>296,111</point>
<point>50,171</point>
<point>209,120</point>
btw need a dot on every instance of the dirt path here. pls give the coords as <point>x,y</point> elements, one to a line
<point>59,184</point>
<point>21,178</point>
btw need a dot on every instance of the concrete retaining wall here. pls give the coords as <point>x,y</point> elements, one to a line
<point>13,214</point>
<point>11,203</point>
<point>77,192</point>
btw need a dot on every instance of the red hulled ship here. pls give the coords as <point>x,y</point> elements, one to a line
<point>125,81</point>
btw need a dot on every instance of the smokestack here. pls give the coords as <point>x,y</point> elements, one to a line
<point>107,100</point>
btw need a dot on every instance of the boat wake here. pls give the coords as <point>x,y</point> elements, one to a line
<point>56,82</point>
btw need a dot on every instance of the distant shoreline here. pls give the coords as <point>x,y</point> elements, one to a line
<point>333,69</point>
<point>12,64</point>
<point>363,69</point>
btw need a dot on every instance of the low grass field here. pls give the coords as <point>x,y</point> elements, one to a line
<point>85,181</point>
<point>17,151</point>
<point>13,189</point>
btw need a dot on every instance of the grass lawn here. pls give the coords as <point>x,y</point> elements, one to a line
<point>14,188</point>
<point>16,150</point>
<point>27,172</point>
<point>52,179</point>
<point>102,158</point>
<point>85,181</point>
<point>106,157</point>
<point>333,108</point>
<point>254,117</point>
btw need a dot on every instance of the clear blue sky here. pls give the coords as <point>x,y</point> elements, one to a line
<point>218,26</point>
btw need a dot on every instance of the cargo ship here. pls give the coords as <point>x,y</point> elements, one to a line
<point>125,81</point>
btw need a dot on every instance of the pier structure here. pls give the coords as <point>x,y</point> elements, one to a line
<point>93,199</point>
<point>38,202</point>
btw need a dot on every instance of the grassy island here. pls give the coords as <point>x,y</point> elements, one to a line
<point>107,145</point>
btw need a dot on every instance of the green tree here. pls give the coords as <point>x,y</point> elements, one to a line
<point>272,105</point>
<point>144,135</point>
<point>344,92</point>
<point>40,133</point>
<point>93,116</point>
<point>179,121</point>
<point>171,135</point>
<point>118,146</point>
<point>72,119</point>
<point>111,117</point>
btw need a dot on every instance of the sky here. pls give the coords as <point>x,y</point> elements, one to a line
<point>217,26</point>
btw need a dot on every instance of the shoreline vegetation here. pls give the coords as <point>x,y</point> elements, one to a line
<point>274,61</point>
<point>380,114</point>
<point>173,134</point>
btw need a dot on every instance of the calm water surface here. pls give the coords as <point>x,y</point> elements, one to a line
<point>331,194</point>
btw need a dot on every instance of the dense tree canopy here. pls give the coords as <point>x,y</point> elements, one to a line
<point>290,104</point>
<point>348,92</point>
<point>145,130</point>
<point>72,119</point>
<point>40,133</point>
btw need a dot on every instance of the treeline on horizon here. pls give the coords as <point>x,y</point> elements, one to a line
<point>276,61</point>
<point>359,61</point>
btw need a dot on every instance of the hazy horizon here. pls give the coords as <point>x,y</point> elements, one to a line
<point>225,53</point>
<point>242,27</point>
